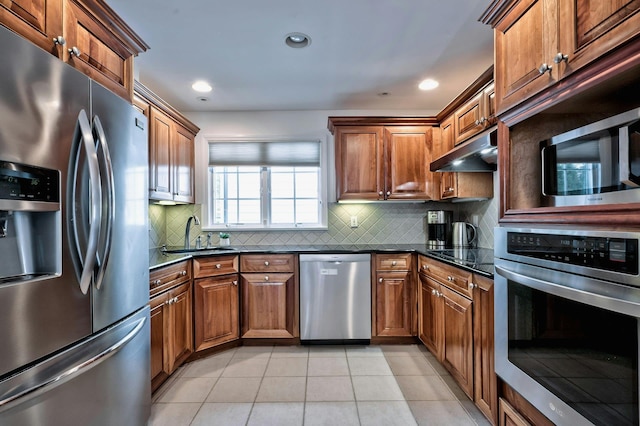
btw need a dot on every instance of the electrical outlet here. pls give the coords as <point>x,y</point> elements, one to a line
<point>354,221</point>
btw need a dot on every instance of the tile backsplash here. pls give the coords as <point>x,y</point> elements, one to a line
<point>378,223</point>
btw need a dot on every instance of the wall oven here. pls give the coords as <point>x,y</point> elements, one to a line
<point>567,321</point>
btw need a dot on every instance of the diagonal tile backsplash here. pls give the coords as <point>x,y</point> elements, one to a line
<point>379,223</point>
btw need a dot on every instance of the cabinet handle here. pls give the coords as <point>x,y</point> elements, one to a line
<point>394,263</point>
<point>74,51</point>
<point>450,278</point>
<point>544,68</point>
<point>234,282</point>
<point>218,266</point>
<point>266,277</point>
<point>59,41</point>
<point>560,57</point>
<point>266,263</point>
<point>482,120</point>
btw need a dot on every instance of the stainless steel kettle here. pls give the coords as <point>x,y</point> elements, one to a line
<point>464,234</point>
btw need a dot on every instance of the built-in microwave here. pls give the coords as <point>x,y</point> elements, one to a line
<point>594,164</point>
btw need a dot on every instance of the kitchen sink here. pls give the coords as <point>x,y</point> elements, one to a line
<point>177,250</point>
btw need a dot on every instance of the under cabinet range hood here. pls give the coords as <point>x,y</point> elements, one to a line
<point>478,154</point>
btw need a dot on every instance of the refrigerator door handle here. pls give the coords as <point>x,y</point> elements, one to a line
<point>95,198</point>
<point>104,249</point>
<point>51,377</point>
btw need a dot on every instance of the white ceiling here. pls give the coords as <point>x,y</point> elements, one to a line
<point>359,49</point>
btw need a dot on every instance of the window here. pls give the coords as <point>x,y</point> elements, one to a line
<point>265,185</point>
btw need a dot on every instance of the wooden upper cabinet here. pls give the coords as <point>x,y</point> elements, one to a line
<point>171,149</point>
<point>39,21</point>
<point>408,153</point>
<point>359,159</point>
<point>85,33</point>
<point>525,41</point>
<point>539,42</point>
<point>590,29</point>
<point>382,158</point>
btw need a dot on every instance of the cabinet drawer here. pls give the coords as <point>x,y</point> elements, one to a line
<point>214,266</point>
<point>267,263</point>
<point>164,278</point>
<point>393,262</point>
<point>452,277</point>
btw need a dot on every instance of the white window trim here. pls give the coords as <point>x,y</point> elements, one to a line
<point>325,180</point>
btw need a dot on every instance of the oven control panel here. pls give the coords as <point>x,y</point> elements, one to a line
<point>610,254</point>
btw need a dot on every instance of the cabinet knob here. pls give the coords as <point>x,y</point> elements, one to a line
<point>388,193</point>
<point>59,41</point>
<point>425,267</point>
<point>266,263</point>
<point>450,188</point>
<point>74,51</point>
<point>544,68</point>
<point>234,282</point>
<point>560,57</point>
<point>218,266</point>
<point>472,286</point>
<point>434,292</point>
<point>381,280</point>
<point>381,193</point>
<point>266,277</point>
<point>481,121</point>
<point>183,273</point>
<point>394,263</point>
<point>450,278</point>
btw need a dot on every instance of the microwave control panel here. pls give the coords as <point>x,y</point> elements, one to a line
<point>28,183</point>
<point>610,254</point>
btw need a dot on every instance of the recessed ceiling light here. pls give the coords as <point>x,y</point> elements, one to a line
<point>428,84</point>
<point>297,40</point>
<point>201,86</point>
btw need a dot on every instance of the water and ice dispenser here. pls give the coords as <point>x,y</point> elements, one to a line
<point>30,222</point>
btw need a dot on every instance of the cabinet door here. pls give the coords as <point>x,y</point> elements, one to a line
<point>393,303</point>
<point>269,306</point>
<point>508,416</point>
<point>160,165</point>
<point>469,119</point>
<point>39,21</point>
<point>159,335</point>
<point>457,355</point>
<point>408,153</point>
<point>183,167</point>
<point>216,311</point>
<point>100,55</point>
<point>590,29</point>
<point>525,40</point>
<point>430,315</point>
<point>485,379</point>
<point>447,179</point>
<point>181,330</point>
<point>359,163</point>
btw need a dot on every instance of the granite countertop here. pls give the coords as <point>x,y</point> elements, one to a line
<point>476,259</point>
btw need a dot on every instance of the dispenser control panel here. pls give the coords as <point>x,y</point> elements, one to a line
<point>28,183</point>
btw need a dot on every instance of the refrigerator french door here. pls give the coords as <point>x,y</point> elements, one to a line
<point>73,225</point>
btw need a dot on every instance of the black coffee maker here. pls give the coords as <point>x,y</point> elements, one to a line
<point>439,229</point>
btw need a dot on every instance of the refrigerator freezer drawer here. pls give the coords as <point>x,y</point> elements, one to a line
<point>104,380</point>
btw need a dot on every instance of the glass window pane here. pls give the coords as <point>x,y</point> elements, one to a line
<point>282,211</point>
<point>307,211</point>
<point>282,185</point>
<point>232,211</point>
<point>249,211</point>
<point>249,185</point>
<point>307,185</point>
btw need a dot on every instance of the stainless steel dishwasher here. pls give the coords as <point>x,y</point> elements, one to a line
<point>335,298</point>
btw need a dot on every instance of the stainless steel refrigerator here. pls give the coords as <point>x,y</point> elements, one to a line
<point>74,316</point>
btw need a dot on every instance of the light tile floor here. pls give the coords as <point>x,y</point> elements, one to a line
<point>316,385</point>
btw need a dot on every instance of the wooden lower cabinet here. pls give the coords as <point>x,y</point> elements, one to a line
<point>508,416</point>
<point>394,298</point>
<point>269,305</point>
<point>171,332</point>
<point>455,322</point>
<point>216,311</point>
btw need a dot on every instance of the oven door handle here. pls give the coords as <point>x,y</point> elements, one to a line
<point>603,294</point>
<point>624,143</point>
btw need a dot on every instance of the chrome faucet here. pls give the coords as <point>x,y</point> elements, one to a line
<point>187,229</point>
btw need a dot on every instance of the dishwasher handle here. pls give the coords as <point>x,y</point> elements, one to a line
<point>335,257</point>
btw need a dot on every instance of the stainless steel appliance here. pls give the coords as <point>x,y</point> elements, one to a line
<point>567,309</point>
<point>595,164</point>
<point>74,321</point>
<point>478,154</point>
<point>464,234</point>
<point>335,298</point>
<point>439,228</point>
